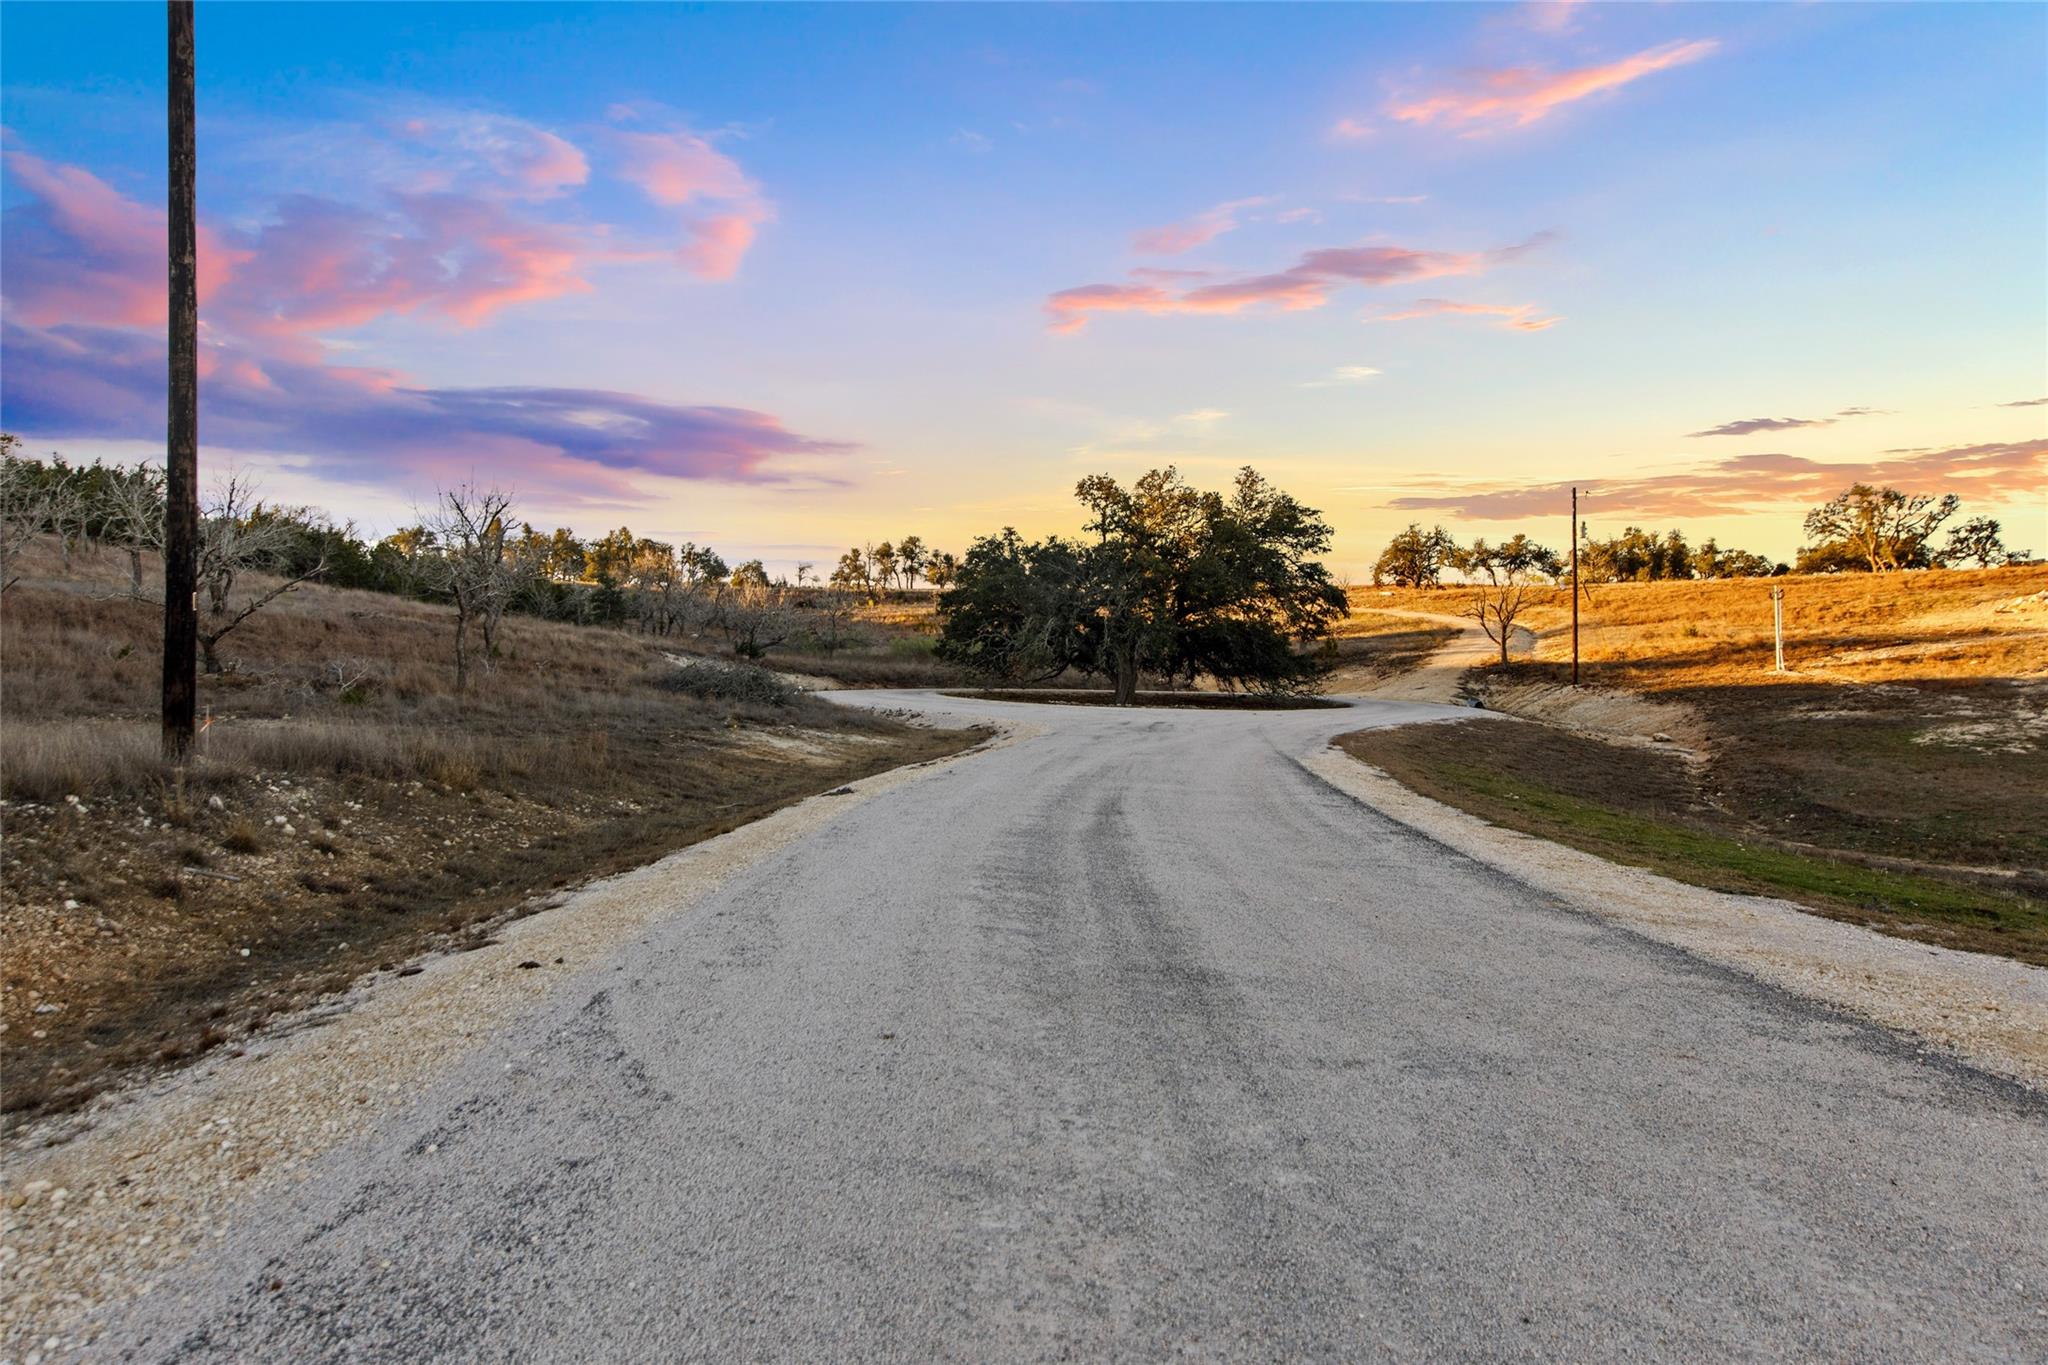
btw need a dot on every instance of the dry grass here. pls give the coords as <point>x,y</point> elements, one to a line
<point>1908,738</point>
<point>346,811</point>
<point>1914,628</point>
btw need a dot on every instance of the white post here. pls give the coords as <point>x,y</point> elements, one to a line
<point>1778,624</point>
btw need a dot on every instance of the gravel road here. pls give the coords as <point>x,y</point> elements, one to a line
<point>1135,1039</point>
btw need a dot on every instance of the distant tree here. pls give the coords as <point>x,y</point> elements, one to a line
<point>400,560</point>
<point>833,603</point>
<point>911,558</point>
<point>754,614</point>
<point>471,526</point>
<point>564,557</point>
<point>1979,539</point>
<point>1884,529</point>
<point>606,602</point>
<point>883,558</point>
<point>131,516</point>
<point>1711,561</point>
<point>1637,556</point>
<point>854,571</point>
<point>610,555</point>
<point>1502,577</point>
<point>941,568</point>
<point>1415,558</point>
<point>239,539</point>
<point>24,508</point>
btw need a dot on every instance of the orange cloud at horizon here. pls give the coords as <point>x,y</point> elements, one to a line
<point>1749,483</point>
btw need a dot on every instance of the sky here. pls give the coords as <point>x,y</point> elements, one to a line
<point>788,279</point>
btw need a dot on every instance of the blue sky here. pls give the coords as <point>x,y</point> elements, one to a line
<point>1725,213</point>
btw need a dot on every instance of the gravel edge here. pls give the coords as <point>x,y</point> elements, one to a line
<point>1988,1012</point>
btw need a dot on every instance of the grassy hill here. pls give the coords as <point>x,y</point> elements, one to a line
<point>346,810</point>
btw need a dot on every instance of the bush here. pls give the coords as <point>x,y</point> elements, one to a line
<point>714,681</point>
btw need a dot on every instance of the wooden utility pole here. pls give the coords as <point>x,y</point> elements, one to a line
<point>1575,587</point>
<point>181,447</point>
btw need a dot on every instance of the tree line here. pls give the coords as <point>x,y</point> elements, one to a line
<point>469,550</point>
<point>1862,529</point>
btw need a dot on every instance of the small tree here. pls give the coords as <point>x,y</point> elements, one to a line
<point>1502,577</point>
<point>911,559</point>
<point>24,509</point>
<point>883,557</point>
<point>941,569</point>
<point>1881,527</point>
<point>1415,558</point>
<point>853,571</point>
<point>470,525</point>
<point>240,538</point>
<point>131,515</point>
<point>1979,538</point>
<point>753,613</point>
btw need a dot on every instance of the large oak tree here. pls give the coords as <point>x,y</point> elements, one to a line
<point>1176,582</point>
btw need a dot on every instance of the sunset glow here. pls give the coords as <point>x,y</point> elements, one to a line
<point>784,281</point>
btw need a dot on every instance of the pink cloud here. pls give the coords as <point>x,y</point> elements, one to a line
<point>82,251</point>
<point>682,170</point>
<point>318,264</point>
<point>718,243</point>
<point>493,152</point>
<point>676,168</point>
<point>1289,291</point>
<point>1516,97</point>
<point>1203,228</point>
<point>1520,317</point>
<point>82,353</point>
<point>1747,483</point>
<point>1350,130</point>
<point>1309,283</point>
<point>1069,308</point>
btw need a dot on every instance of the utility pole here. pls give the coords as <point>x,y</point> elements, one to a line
<point>1575,587</point>
<point>181,446</point>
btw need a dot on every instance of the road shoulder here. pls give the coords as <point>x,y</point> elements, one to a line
<point>1989,1012</point>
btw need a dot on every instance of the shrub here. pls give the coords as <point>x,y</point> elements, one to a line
<point>715,681</point>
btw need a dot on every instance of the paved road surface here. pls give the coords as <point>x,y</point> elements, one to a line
<point>1133,1040</point>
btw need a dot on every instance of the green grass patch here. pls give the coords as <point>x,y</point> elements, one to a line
<point>1469,766</point>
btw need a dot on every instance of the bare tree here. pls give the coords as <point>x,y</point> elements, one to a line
<point>833,603</point>
<point>238,539</point>
<point>753,613</point>
<point>470,524</point>
<point>24,510</point>
<point>1502,577</point>
<point>131,515</point>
